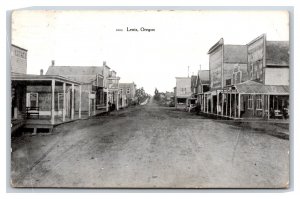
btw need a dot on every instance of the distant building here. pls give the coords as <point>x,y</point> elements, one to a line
<point>182,91</point>
<point>99,85</point>
<point>169,95</point>
<point>18,60</point>
<point>128,90</point>
<point>202,86</point>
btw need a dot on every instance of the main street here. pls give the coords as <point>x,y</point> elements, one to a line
<point>150,146</point>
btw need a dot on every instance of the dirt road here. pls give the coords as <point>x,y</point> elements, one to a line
<point>150,146</point>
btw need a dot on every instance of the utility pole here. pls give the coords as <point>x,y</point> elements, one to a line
<point>188,71</point>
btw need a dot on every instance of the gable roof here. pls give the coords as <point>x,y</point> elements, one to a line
<point>277,53</point>
<point>85,74</point>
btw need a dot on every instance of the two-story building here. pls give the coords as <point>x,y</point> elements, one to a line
<point>251,81</point>
<point>18,61</point>
<point>224,61</point>
<point>127,91</point>
<point>266,92</point>
<point>202,86</point>
<point>183,92</point>
<point>99,86</point>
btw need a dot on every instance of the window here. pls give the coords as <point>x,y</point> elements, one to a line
<point>228,82</point>
<point>258,102</point>
<point>121,90</point>
<point>128,91</point>
<point>32,100</point>
<point>250,102</point>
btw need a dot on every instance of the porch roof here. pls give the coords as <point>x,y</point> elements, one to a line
<point>252,87</point>
<point>41,78</point>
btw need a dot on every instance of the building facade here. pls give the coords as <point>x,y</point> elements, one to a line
<point>202,86</point>
<point>182,91</point>
<point>257,89</point>
<point>227,65</point>
<point>128,90</point>
<point>99,86</point>
<point>18,60</point>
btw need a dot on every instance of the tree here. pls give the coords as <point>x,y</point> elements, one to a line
<point>141,95</point>
<point>156,95</point>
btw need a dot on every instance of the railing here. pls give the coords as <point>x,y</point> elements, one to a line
<point>32,111</point>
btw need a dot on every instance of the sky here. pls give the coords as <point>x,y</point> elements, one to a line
<point>177,48</point>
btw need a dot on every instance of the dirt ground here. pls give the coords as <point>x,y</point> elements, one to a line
<point>150,147</point>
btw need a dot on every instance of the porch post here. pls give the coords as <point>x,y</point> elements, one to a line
<point>263,105</point>
<point>52,101</point>
<point>64,102</point>
<point>253,99</point>
<point>218,101</point>
<point>226,103</point>
<point>79,111</point>
<point>94,105</point>
<point>239,106</point>
<point>268,107</point>
<point>230,103</point>
<point>222,103</point>
<point>89,103</point>
<point>107,100</point>
<point>203,103</point>
<point>212,103</point>
<point>117,94</point>
<point>235,101</point>
<point>72,105</point>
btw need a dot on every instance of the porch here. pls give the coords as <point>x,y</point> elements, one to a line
<point>247,100</point>
<point>43,101</point>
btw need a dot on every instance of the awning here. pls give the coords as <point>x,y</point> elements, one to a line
<point>252,87</point>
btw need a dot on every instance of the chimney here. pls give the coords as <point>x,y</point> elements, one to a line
<point>52,63</point>
<point>41,72</point>
<point>104,63</point>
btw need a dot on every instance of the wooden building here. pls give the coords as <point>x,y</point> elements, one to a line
<point>260,91</point>
<point>182,92</point>
<point>43,101</point>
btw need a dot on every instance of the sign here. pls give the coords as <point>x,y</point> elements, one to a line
<point>215,65</point>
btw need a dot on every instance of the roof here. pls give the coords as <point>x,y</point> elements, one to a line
<point>277,53</point>
<point>31,78</point>
<point>252,87</point>
<point>85,74</point>
<point>262,36</point>
<point>125,84</point>
<point>216,45</point>
<point>19,47</point>
<point>182,77</point>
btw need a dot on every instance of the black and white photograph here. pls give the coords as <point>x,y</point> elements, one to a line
<point>150,98</point>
